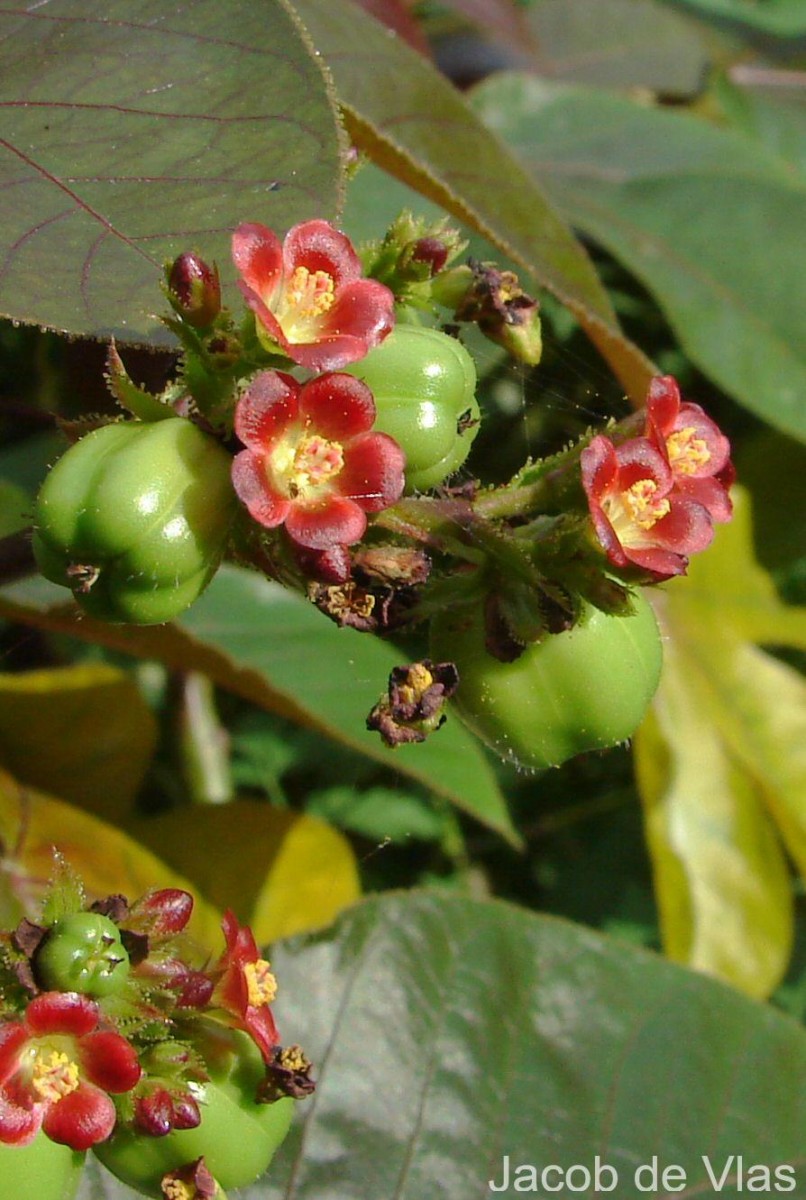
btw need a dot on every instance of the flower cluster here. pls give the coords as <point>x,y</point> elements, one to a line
<point>654,499</point>
<point>135,1052</point>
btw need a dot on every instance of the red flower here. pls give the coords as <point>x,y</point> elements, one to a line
<point>696,449</point>
<point>308,294</point>
<point>310,461</point>
<point>639,515</point>
<point>56,1068</point>
<point>245,987</point>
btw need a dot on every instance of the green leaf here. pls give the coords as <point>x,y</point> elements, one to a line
<point>83,733</point>
<point>786,18</point>
<point>705,218</point>
<point>14,505</point>
<point>448,1033</point>
<point>131,136</point>
<point>617,43</point>
<point>276,650</point>
<point>411,122</point>
<point>721,766</point>
<point>774,115</point>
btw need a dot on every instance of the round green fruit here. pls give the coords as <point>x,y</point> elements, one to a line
<point>134,519</point>
<point>424,384</point>
<point>237,1136</point>
<point>82,953</point>
<point>42,1170</point>
<point>584,689</point>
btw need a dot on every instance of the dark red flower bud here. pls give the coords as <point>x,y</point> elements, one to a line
<point>194,290</point>
<point>432,251</point>
<point>186,1113</point>
<point>196,990</point>
<point>153,1114</point>
<point>325,566</point>
<point>162,913</point>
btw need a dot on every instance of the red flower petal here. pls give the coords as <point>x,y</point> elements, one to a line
<point>61,1012</point>
<point>663,564</point>
<point>267,408</point>
<point>365,310</point>
<point>686,529</point>
<point>13,1036</point>
<point>337,406</point>
<point>336,520</point>
<point>109,1060</point>
<point>252,489</point>
<point>710,494</point>
<point>373,471</point>
<point>259,1024</point>
<point>258,256</point>
<point>81,1119</point>
<point>19,1124</point>
<point>639,458</point>
<point>663,402</point>
<point>319,247</point>
<point>265,317</point>
<point>327,353</point>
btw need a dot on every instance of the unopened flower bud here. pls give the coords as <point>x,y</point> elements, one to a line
<point>432,251</point>
<point>194,290</point>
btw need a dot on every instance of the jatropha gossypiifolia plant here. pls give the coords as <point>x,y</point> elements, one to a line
<point>118,1037</point>
<point>319,439</point>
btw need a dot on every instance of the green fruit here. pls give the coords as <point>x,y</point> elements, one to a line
<point>584,689</point>
<point>424,384</point>
<point>134,519</point>
<point>42,1170</point>
<point>237,1136</point>
<point>82,953</point>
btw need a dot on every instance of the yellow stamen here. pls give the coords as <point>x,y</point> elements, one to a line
<point>305,298</point>
<point>261,984</point>
<point>418,681</point>
<point>635,510</point>
<point>293,1059</point>
<point>642,505</point>
<point>687,452</point>
<point>54,1075</point>
<point>316,460</point>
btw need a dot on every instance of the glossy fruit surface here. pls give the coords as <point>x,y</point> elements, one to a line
<point>82,953</point>
<point>134,518</point>
<point>424,384</point>
<point>584,689</point>
<point>42,1170</point>
<point>237,1136</point>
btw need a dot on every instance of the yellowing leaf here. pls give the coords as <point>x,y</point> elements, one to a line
<point>280,871</point>
<point>33,824</point>
<point>721,766</point>
<point>721,878</point>
<point>83,733</point>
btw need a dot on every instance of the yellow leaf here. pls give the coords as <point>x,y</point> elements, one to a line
<point>280,871</point>
<point>83,733</point>
<point>721,766</point>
